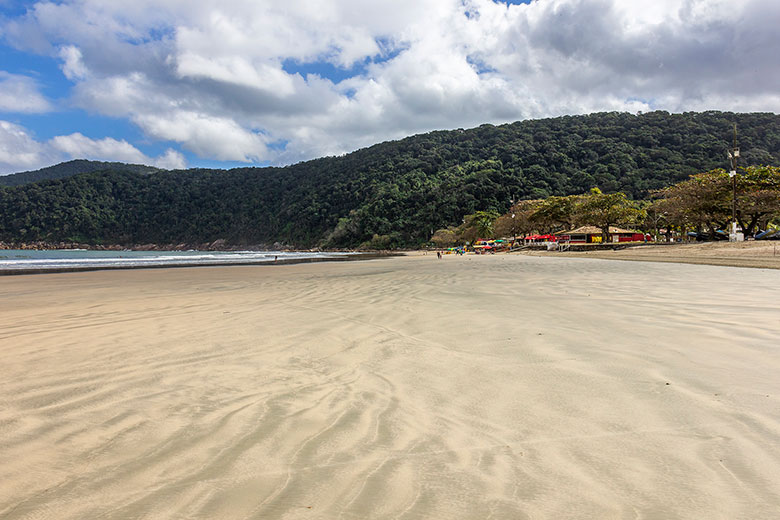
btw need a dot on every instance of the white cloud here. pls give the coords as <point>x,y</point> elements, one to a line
<point>235,69</point>
<point>20,151</point>
<point>211,76</point>
<point>207,136</point>
<point>73,66</point>
<point>170,160</point>
<point>77,145</point>
<point>20,94</point>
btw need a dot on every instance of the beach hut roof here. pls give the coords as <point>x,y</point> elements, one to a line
<point>593,230</point>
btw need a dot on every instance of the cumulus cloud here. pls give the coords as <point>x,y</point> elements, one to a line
<point>80,146</point>
<point>20,94</point>
<point>170,160</point>
<point>225,80</point>
<point>73,65</point>
<point>77,145</point>
<point>20,151</point>
<point>208,136</point>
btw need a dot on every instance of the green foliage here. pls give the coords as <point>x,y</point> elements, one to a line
<point>445,237</point>
<point>483,223</point>
<point>605,210</point>
<point>704,201</point>
<point>554,213</point>
<point>70,168</point>
<point>520,220</point>
<point>394,193</point>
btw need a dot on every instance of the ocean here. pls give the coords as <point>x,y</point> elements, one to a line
<point>80,259</point>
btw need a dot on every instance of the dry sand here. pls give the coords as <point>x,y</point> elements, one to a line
<point>500,387</point>
<point>760,254</point>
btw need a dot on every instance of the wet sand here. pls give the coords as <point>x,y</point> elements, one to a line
<point>504,386</point>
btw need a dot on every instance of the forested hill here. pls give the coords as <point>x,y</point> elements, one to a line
<point>394,193</point>
<point>70,168</point>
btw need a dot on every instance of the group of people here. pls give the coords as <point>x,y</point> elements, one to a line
<point>458,251</point>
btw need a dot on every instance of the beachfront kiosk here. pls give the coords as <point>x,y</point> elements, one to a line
<point>593,235</point>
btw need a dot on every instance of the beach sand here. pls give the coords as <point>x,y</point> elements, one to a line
<point>760,254</point>
<point>503,386</point>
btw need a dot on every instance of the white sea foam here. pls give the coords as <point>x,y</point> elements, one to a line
<point>76,259</point>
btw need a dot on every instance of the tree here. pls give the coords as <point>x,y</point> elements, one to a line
<point>477,225</point>
<point>656,215</point>
<point>758,199</point>
<point>605,210</point>
<point>518,221</point>
<point>445,237</point>
<point>400,189</point>
<point>555,213</point>
<point>704,200</point>
<point>483,223</point>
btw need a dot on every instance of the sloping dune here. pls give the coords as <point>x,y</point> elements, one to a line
<point>469,387</point>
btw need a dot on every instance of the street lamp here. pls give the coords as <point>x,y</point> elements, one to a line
<point>733,154</point>
<point>511,208</point>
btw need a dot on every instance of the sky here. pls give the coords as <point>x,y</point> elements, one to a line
<point>225,83</point>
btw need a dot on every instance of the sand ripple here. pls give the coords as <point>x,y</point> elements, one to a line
<point>495,387</point>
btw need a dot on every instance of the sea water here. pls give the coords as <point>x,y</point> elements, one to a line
<point>15,259</point>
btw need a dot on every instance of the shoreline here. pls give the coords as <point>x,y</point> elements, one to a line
<point>749,255</point>
<point>284,261</point>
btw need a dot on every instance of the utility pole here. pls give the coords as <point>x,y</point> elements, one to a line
<point>733,154</point>
<point>511,208</point>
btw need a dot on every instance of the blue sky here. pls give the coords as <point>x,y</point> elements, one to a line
<point>223,84</point>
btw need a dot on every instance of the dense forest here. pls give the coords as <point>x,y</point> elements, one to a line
<point>70,168</point>
<point>392,194</point>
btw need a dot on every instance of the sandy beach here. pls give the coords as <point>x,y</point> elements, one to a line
<point>476,387</point>
<point>759,254</point>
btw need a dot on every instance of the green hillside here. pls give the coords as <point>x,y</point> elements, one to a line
<point>68,169</point>
<point>400,191</point>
